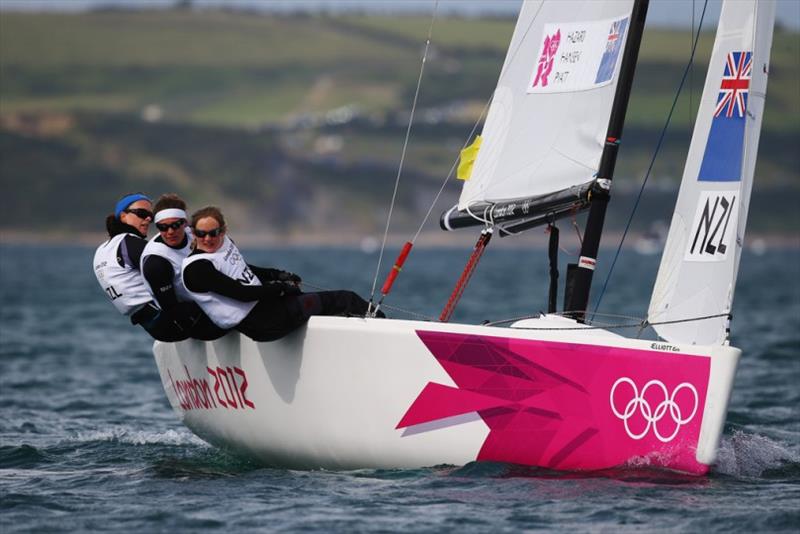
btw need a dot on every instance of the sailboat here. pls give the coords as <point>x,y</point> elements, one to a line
<point>553,390</point>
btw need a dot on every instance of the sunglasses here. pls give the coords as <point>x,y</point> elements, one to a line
<point>212,233</point>
<point>140,212</point>
<point>163,227</point>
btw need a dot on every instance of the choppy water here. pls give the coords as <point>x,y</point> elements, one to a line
<point>89,442</point>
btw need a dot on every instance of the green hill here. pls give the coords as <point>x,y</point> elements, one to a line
<point>294,123</point>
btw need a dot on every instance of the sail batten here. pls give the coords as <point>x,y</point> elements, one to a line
<point>545,129</point>
<point>700,263</point>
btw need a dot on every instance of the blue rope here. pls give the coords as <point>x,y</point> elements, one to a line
<point>653,160</point>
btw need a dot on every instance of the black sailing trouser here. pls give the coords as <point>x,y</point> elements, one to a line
<point>184,320</point>
<point>272,319</point>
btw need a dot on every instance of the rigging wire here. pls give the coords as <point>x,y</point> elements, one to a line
<point>508,61</point>
<point>691,75</point>
<point>643,323</point>
<point>653,159</point>
<point>578,233</point>
<point>403,153</point>
<point>410,313</point>
<point>409,244</point>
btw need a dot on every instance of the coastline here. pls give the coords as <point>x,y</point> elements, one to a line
<point>369,242</point>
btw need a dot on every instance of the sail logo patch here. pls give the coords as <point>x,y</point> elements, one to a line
<point>550,47</point>
<point>613,45</point>
<point>577,56</point>
<point>722,160</point>
<point>714,226</point>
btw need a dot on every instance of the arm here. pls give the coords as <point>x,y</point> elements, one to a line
<point>130,250</point>
<point>202,277</point>
<point>159,275</point>
<point>265,274</point>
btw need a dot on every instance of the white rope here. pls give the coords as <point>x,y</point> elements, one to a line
<point>403,154</point>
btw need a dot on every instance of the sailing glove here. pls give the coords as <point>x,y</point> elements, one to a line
<point>278,289</point>
<point>286,276</point>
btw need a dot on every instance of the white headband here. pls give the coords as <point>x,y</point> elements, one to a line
<point>170,214</point>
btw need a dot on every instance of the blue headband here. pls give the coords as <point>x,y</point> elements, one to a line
<point>126,201</point>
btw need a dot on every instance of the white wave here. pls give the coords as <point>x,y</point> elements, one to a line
<point>141,437</point>
<point>750,455</point>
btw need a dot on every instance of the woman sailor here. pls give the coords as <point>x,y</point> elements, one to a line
<point>161,267</point>
<point>116,266</point>
<point>264,304</point>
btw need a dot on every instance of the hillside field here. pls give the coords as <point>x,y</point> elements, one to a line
<point>296,123</point>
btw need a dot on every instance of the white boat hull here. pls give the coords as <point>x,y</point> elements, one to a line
<point>346,393</point>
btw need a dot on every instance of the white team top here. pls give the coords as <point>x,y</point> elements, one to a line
<point>225,312</point>
<point>125,286</point>
<point>175,257</point>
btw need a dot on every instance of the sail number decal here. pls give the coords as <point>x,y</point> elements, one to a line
<point>715,222</point>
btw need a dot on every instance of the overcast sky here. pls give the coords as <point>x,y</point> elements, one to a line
<point>661,12</point>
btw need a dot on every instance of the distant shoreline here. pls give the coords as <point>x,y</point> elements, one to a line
<point>369,243</point>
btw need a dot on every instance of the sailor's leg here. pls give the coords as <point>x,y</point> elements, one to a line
<point>341,302</point>
<point>163,328</point>
<point>268,320</point>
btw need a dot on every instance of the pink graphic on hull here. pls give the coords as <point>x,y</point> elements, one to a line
<point>551,404</point>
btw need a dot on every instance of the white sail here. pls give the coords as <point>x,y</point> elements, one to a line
<point>701,257</point>
<point>547,123</point>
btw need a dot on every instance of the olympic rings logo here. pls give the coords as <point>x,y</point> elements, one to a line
<point>668,405</point>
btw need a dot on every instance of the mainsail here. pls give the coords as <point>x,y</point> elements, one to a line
<point>546,126</point>
<point>701,257</point>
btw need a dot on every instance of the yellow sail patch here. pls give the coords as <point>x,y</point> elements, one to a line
<point>468,156</point>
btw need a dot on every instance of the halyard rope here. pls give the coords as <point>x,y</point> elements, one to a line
<point>463,280</point>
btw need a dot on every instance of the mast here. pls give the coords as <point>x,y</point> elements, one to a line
<point>579,276</point>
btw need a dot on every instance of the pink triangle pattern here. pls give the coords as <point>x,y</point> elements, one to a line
<point>549,403</point>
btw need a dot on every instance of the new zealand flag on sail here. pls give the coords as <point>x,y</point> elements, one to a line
<point>613,45</point>
<point>722,161</point>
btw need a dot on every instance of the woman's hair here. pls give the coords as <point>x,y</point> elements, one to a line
<point>114,226</point>
<point>169,200</point>
<point>209,211</point>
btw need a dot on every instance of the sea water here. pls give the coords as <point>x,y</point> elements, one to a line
<point>89,442</point>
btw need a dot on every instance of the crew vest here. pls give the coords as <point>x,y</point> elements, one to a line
<point>124,285</point>
<point>175,256</point>
<point>225,312</point>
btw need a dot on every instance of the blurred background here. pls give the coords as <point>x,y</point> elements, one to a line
<point>291,115</point>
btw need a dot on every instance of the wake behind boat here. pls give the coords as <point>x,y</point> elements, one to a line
<point>552,391</point>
